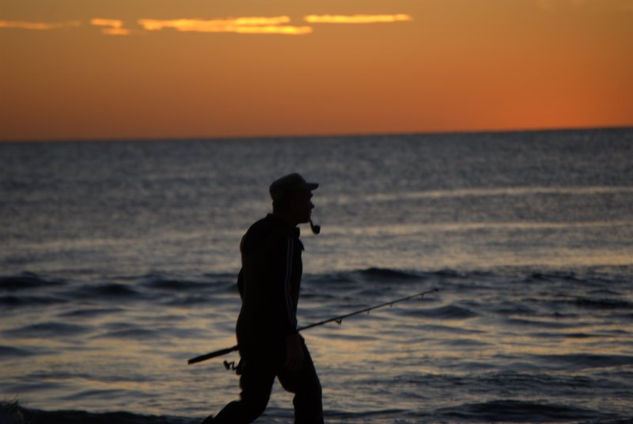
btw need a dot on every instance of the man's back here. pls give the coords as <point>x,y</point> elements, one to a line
<point>269,282</point>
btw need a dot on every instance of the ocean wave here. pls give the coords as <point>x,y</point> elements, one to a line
<point>584,360</point>
<point>382,413</point>
<point>445,312</point>
<point>552,324</point>
<point>131,333</point>
<point>105,394</point>
<point>515,380</point>
<point>519,411</point>
<point>165,281</point>
<point>501,410</point>
<point>27,280</point>
<point>104,290</point>
<point>12,413</point>
<point>454,330</point>
<point>452,273</point>
<point>386,274</point>
<point>333,278</point>
<point>84,313</point>
<point>351,278</point>
<point>553,276</point>
<point>603,303</point>
<point>8,351</point>
<point>25,301</point>
<point>113,285</point>
<point>191,300</point>
<point>46,330</point>
<point>173,284</point>
<point>512,308</point>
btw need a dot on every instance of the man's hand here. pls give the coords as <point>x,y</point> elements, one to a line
<point>294,352</point>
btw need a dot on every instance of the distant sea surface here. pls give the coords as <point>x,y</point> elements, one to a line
<point>118,262</point>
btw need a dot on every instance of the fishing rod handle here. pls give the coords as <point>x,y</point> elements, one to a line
<point>212,354</point>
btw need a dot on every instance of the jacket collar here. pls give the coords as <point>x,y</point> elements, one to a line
<point>292,230</point>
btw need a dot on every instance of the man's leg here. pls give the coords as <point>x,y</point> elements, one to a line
<point>256,382</point>
<point>305,384</point>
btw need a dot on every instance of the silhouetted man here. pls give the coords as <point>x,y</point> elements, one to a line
<point>266,329</point>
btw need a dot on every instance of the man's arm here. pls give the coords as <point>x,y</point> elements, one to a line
<point>294,342</point>
<point>282,266</point>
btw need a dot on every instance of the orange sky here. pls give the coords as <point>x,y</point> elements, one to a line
<point>77,69</point>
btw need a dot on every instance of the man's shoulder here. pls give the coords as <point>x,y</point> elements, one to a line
<point>265,232</point>
<point>265,226</point>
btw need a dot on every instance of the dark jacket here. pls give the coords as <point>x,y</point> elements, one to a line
<point>269,284</point>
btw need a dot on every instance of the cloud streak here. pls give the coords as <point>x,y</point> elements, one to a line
<point>240,25</point>
<point>110,26</point>
<point>38,26</point>
<point>246,25</point>
<point>357,19</point>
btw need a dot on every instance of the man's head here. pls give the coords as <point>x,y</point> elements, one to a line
<point>291,196</point>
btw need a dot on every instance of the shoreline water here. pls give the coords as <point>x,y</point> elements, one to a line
<point>503,411</point>
<point>489,346</point>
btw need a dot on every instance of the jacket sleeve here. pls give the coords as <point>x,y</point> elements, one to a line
<point>280,283</point>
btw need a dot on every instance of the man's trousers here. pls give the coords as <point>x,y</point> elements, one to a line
<point>258,374</point>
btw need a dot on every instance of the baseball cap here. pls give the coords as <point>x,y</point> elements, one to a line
<point>288,184</point>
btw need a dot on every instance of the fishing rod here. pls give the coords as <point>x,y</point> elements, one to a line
<point>338,319</point>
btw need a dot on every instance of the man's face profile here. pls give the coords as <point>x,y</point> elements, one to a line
<point>301,205</point>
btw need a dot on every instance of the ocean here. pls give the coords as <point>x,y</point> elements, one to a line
<point>118,262</point>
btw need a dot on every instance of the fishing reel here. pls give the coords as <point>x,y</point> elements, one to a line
<point>230,366</point>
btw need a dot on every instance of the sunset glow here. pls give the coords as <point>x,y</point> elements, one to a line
<point>257,69</point>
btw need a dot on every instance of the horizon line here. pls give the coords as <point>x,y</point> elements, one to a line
<point>317,135</point>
